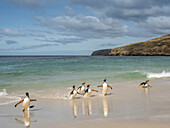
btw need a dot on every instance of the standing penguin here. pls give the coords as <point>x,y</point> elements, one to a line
<point>73,93</point>
<point>81,88</point>
<point>145,84</point>
<point>88,91</point>
<point>26,102</point>
<point>105,87</point>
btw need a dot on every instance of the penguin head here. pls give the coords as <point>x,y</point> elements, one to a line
<point>104,80</point>
<point>147,80</point>
<point>83,83</point>
<point>74,86</point>
<point>27,94</point>
<point>88,85</point>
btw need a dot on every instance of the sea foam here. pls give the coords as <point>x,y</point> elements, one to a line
<point>3,93</point>
<point>5,98</point>
<point>158,75</point>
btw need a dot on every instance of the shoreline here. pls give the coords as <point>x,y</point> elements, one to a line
<point>126,106</point>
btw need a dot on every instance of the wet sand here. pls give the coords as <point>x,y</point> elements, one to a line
<point>126,106</point>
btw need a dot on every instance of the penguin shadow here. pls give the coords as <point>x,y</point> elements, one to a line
<point>38,109</point>
<point>92,96</point>
<point>77,97</point>
<point>109,94</point>
<point>26,120</point>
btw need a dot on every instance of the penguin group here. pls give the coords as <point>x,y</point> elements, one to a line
<point>81,91</point>
<point>86,92</point>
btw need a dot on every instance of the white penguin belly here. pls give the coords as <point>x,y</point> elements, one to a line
<point>82,89</point>
<point>74,94</point>
<point>105,88</point>
<point>146,85</point>
<point>26,103</point>
<point>88,93</point>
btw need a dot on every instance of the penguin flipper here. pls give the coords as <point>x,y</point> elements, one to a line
<point>100,86</point>
<point>109,86</point>
<point>78,93</point>
<point>79,87</point>
<point>32,106</point>
<point>95,90</point>
<point>142,83</point>
<point>33,100</point>
<point>19,102</point>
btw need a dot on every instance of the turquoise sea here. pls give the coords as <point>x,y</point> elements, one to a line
<point>60,72</point>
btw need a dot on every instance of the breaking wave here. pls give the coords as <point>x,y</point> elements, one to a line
<point>158,75</point>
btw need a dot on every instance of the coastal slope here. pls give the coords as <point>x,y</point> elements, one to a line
<point>154,47</point>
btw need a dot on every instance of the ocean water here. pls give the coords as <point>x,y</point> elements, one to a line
<point>61,72</point>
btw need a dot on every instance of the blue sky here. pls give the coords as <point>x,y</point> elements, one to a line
<point>78,27</point>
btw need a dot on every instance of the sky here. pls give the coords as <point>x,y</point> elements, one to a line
<point>78,27</point>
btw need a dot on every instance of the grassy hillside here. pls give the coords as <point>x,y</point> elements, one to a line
<point>155,47</point>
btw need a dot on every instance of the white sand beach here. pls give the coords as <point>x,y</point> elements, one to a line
<point>126,106</point>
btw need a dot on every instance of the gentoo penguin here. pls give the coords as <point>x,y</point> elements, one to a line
<point>88,91</point>
<point>26,102</point>
<point>105,87</point>
<point>81,88</point>
<point>145,84</point>
<point>73,93</point>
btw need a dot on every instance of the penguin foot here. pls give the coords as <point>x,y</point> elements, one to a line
<point>23,109</point>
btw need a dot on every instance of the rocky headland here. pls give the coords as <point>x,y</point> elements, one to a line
<point>154,47</point>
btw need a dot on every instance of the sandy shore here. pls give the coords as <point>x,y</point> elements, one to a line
<point>126,106</point>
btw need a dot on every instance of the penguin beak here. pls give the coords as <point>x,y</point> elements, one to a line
<point>88,85</point>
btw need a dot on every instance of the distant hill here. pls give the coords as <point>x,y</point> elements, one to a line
<point>155,47</point>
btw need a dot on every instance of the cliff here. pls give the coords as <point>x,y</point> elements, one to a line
<point>155,47</point>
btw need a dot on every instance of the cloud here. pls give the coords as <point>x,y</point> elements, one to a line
<point>134,11</point>
<point>64,41</point>
<point>157,25</point>
<point>109,44</point>
<point>10,32</point>
<point>32,4</point>
<point>84,26</point>
<point>28,47</point>
<point>69,11</point>
<point>9,42</point>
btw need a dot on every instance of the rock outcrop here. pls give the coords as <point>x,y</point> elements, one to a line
<point>155,47</point>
